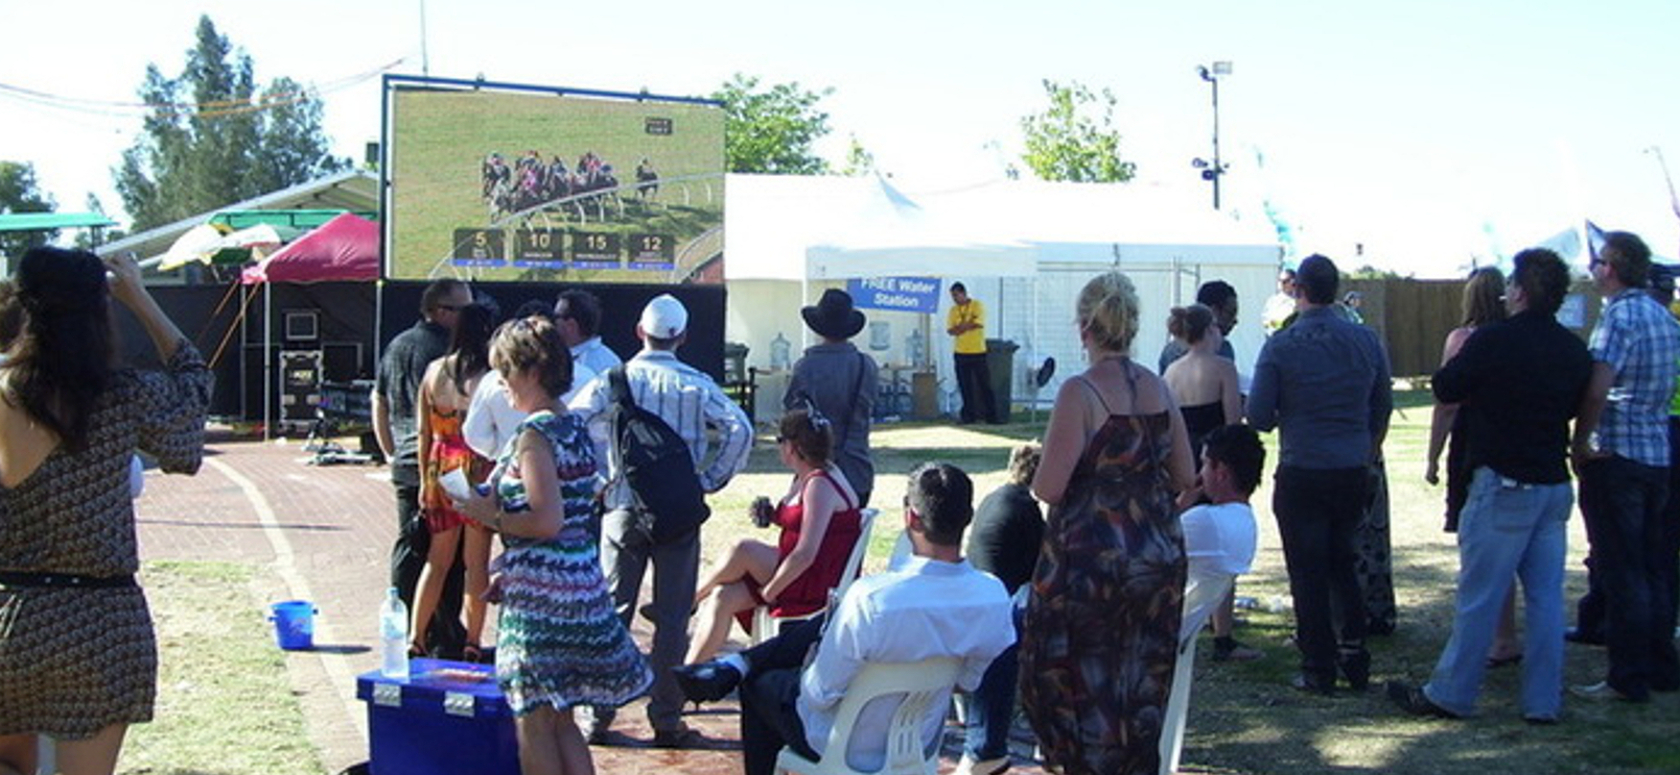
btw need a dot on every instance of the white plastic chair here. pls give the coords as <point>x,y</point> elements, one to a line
<point>1202,593</point>
<point>765,626</point>
<point>907,751</point>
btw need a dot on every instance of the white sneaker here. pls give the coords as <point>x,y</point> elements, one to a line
<point>988,767</point>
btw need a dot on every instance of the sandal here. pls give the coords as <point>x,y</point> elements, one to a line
<point>417,651</point>
<point>472,652</point>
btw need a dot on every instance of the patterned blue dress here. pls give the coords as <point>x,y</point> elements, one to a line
<point>559,643</point>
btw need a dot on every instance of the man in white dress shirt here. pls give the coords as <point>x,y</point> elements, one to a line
<point>934,605</point>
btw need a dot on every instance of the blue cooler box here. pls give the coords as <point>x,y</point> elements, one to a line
<point>446,718</point>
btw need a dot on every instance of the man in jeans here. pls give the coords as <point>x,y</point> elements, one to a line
<point>693,405</point>
<point>1624,471</point>
<point>1519,381</point>
<point>1323,382</point>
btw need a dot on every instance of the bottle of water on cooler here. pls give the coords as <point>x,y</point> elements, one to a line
<point>393,636</point>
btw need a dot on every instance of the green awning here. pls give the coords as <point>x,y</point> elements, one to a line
<point>46,221</point>
<point>301,220</point>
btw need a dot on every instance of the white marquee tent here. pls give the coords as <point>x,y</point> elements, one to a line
<point>1023,248</point>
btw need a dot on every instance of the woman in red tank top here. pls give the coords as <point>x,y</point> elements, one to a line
<point>819,520</point>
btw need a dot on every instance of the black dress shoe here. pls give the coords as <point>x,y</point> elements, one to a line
<point>1412,700</point>
<point>706,681</point>
<point>1583,637</point>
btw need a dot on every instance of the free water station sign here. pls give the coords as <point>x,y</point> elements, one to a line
<point>901,294</point>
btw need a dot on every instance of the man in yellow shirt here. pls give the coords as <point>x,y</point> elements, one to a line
<point>966,323</point>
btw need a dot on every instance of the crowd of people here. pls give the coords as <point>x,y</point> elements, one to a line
<point>1085,578</point>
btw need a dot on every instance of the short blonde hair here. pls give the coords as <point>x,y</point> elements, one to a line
<point>1023,463</point>
<point>1108,311</point>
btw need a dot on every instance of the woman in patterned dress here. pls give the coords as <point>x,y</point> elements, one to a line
<point>559,642</point>
<point>445,391</point>
<point>1098,642</point>
<point>78,657</point>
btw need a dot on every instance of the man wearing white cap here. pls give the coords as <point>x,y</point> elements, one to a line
<point>693,405</point>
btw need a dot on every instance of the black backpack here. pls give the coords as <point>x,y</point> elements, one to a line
<point>657,466</point>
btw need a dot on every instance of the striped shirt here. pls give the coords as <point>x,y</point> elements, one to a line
<point>686,399</point>
<point>1640,342</point>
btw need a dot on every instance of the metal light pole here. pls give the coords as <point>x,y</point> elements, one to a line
<point>1216,169</point>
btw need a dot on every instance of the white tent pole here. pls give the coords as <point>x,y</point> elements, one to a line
<point>268,360</point>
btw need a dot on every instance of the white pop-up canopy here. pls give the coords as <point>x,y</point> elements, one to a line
<point>1024,248</point>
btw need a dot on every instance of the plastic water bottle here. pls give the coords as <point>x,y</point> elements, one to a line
<point>393,636</point>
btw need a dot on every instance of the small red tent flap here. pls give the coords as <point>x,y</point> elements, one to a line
<point>344,248</point>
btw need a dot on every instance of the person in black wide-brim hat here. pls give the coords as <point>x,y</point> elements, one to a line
<point>833,316</point>
<point>836,380</point>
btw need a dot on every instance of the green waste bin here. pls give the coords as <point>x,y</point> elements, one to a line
<point>1000,363</point>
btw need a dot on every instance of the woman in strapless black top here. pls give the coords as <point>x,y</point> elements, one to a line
<point>1203,382</point>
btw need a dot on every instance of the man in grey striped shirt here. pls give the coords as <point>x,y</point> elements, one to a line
<point>693,405</point>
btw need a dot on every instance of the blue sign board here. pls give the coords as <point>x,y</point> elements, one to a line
<point>901,294</point>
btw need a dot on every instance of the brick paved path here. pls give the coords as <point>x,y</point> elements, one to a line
<point>324,534</point>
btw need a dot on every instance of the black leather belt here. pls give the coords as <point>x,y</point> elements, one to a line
<point>64,580</point>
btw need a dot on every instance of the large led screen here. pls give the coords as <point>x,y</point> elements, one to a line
<point>522,184</point>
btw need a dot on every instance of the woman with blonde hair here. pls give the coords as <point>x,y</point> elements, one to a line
<point>1483,303</point>
<point>1100,637</point>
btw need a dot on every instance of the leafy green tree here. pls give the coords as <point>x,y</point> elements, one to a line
<point>211,138</point>
<point>20,193</point>
<point>1074,139</point>
<point>859,161</point>
<point>771,130</point>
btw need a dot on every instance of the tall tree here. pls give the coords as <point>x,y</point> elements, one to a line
<point>210,138</point>
<point>20,193</point>
<point>772,130</point>
<point>1074,139</point>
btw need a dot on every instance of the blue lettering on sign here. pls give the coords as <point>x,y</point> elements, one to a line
<point>903,294</point>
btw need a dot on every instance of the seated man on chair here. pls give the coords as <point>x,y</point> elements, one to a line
<point>935,605</point>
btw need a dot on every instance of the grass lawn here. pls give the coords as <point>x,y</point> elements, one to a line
<point>225,706</point>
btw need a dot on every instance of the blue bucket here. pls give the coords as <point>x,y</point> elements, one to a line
<point>294,624</point>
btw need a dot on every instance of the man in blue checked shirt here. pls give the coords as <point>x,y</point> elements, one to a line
<point>1620,451</point>
<point>693,405</point>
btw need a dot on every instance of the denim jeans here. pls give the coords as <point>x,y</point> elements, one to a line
<point>1507,528</point>
<point>1622,503</point>
<point>990,708</point>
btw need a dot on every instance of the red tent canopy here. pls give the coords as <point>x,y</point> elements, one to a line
<point>344,248</point>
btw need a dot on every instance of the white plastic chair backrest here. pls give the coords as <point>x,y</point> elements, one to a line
<point>907,752</point>
<point>902,549</point>
<point>854,562</point>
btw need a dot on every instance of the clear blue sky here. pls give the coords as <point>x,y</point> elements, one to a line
<point>1422,130</point>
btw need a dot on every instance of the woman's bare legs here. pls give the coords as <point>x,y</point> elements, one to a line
<point>550,743</point>
<point>747,557</point>
<point>439,559</point>
<point>96,755</point>
<point>476,554</point>
<point>712,622</point>
<point>18,754</point>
